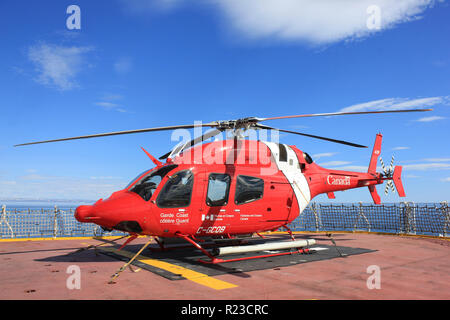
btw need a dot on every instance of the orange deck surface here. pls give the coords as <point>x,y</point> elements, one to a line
<point>410,268</point>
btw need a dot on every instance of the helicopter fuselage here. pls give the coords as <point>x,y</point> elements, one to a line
<point>227,187</point>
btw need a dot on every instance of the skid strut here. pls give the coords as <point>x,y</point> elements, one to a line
<point>115,275</point>
<point>289,231</point>
<point>329,235</point>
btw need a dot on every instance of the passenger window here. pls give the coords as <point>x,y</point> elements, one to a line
<point>177,191</point>
<point>248,189</point>
<point>218,189</point>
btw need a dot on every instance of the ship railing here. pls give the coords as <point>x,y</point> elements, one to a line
<point>46,223</point>
<point>407,218</point>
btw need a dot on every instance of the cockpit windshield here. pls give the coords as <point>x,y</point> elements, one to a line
<point>137,177</point>
<point>148,183</point>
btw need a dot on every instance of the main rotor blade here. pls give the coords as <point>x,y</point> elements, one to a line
<point>188,126</point>
<point>342,114</point>
<point>193,142</point>
<point>313,136</point>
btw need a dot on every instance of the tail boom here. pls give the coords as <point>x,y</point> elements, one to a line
<point>329,181</point>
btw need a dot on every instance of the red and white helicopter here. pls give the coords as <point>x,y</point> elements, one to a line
<point>224,189</point>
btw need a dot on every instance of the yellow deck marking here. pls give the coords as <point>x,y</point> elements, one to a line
<point>57,238</point>
<point>192,275</point>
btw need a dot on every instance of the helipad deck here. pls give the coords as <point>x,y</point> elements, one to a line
<point>409,268</point>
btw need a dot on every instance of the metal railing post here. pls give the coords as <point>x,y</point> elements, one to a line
<point>361,213</point>
<point>3,218</point>
<point>314,210</point>
<point>409,218</point>
<point>412,219</point>
<point>55,222</point>
<point>446,215</point>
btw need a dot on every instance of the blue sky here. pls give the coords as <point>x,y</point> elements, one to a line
<point>142,63</point>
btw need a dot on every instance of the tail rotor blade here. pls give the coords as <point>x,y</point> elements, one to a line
<point>391,185</point>
<point>388,174</point>
<point>382,166</point>
<point>391,166</point>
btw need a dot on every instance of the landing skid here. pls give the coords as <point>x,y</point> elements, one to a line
<point>215,260</point>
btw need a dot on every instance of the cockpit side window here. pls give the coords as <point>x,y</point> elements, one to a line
<point>308,158</point>
<point>177,191</point>
<point>147,185</point>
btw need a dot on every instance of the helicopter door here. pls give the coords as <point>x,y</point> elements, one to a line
<point>214,212</point>
<point>249,200</point>
<point>280,199</point>
<point>174,201</point>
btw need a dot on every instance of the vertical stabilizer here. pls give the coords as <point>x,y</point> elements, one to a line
<point>375,154</point>
<point>397,178</point>
<point>375,197</point>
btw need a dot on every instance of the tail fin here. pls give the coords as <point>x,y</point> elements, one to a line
<point>373,166</point>
<point>398,181</point>
<point>375,197</point>
<point>375,154</point>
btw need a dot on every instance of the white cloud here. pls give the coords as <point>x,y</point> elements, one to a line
<point>105,178</point>
<point>401,148</point>
<point>322,155</point>
<point>112,97</point>
<point>144,6</point>
<point>438,159</point>
<point>58,66</point>
<point>351,168</point>
<point>312,21</point>
<point>108,103</point>
<point>429,119</point>
<point>334,163</point>
<point>60,187</point>
<point>397,104</point>
<point>427,166</point>
<point>446,179</point>
<point>123,65</point>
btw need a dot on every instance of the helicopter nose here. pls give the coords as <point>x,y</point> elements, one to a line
<point>82,212</point>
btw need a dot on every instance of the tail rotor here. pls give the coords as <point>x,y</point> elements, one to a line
<point>388,174</point>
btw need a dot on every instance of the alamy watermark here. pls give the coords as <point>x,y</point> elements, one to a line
<point>373,22</point>
<point>73,22</point>
<point>74,280</point>
<point>374,280</point>
<point>230,147</point>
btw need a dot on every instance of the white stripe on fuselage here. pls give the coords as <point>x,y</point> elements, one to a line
<point>291,170</point>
